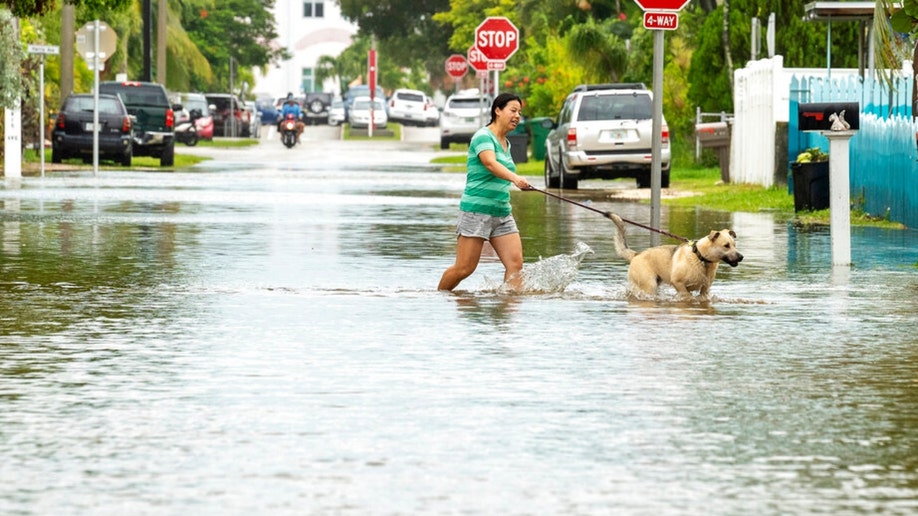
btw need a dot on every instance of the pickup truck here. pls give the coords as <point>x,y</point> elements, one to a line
<point>153,117</point>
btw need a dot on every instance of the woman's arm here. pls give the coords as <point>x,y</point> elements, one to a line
<point>489,160</point>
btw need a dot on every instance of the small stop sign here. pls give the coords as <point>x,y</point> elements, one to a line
<point>497,38</point>
<point>456,66</point>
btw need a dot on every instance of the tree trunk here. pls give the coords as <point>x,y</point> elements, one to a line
<point>725,41</point>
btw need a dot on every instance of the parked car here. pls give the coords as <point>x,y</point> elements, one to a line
<point>315,107</point>
<point>433,113</point>
<point>336,114</point>
<point>191,101</point>
<point>361,90</point>
<point>411,107</point>
<point>464,113</point>
<point>153,122</point>
<point>73,135</point>
<point>359,115</point>
<point>230,118</point>
<point>254,119</point>
<point>267,111</point>
<point>604,131</point>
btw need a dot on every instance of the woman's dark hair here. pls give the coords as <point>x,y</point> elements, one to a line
<point>501,101</point>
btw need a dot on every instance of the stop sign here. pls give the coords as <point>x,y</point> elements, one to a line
<point>456,66</point>
<point>477,60</point>
<point>662,5</point>
<point>497,38</point>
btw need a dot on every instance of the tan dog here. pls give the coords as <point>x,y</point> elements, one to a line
<point>687,267</point>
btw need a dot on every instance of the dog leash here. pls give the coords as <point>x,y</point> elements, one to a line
<point>608,214</point>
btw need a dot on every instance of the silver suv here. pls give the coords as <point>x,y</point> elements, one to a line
<point>463,114</point>
<point>604,131</point>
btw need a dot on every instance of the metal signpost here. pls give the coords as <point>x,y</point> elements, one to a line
<point>659,15</point>
<point>96,42</point>
<point>479,63</point>
<point>371,75</point>
<point>42,50</point>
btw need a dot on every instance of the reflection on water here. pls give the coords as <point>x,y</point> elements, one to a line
<point>260,341</point>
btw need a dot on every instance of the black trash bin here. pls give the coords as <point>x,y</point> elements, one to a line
<point>811,185</point>
<point>519,143</point>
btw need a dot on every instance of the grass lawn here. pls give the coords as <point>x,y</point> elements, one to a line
<point>181,160</point>
<point>712,194</point>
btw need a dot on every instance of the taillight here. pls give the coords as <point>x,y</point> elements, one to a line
<point>665,134</point>
<point>60,120</point>
<point>571,137</point>
<point>170,118</point>
<point>125,124</point>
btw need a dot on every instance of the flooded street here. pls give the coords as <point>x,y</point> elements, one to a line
<point>261,334</point>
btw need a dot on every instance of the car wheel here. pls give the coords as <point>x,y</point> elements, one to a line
<point>444,143</point>
<point>664,179</point>
<point>167,158</point>
<point>56,156</point>
<point>126,159</point>
<point>551,181</point>
<point>316,106</point>
<point>568,181</point>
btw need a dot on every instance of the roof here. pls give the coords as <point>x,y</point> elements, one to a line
<point>840,11</point>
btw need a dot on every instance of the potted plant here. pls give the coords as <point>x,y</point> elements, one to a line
<point>811,180</point>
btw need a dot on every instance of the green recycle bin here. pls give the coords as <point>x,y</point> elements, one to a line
<point>540,127</point>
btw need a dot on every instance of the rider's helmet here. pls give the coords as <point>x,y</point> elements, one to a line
<point>289,97</point>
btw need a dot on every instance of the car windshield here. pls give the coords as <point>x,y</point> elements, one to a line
<point>470,103</point>
<point>107,105</point>
<point>137,95</point>
<point>615,107</point>
<point>200,104</point>
<point>411,97</point>
<point>365,105</point>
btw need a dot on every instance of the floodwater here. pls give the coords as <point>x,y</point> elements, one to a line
<point>261,334</point>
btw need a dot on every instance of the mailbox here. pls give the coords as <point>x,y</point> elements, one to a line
<point>716,136</point>
<point>828,116</point>
<point>713,134</point>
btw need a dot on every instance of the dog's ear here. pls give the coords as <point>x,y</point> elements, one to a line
<point>712,236</point>
<point>732,233</point>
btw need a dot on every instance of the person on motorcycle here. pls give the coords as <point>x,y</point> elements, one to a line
<point>292,107</point>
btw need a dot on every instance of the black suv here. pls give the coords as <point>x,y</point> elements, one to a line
<point>73,135</point>
<point>316,107</point>
<point>153,118</point>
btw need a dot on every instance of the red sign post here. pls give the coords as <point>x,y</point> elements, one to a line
<point>456,66</point>
<point>371,79</point>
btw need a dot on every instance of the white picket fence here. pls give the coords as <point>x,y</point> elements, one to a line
<point>761,98</point>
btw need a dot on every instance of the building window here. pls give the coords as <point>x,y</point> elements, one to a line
<point>313,10</point>
<point>308,80</point>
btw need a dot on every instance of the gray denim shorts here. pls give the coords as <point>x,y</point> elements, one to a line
<point>485,226</point>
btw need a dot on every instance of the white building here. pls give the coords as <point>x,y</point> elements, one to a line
<point>308,29</point>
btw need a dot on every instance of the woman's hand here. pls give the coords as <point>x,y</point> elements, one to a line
<point>521,182</point>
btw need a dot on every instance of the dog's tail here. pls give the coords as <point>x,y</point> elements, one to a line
<point>621,246</point>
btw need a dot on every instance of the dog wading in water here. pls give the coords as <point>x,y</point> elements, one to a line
<point>687,267</point>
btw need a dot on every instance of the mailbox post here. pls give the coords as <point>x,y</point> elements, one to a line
<point>838,122</point>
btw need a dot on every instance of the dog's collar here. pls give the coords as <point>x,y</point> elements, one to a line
<point>698,253</point>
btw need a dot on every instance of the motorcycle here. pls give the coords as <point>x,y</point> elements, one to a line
<point>288,130</point>
<point>187,132</point>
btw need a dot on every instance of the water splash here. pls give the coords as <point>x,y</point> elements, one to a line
<point>550,275</point>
